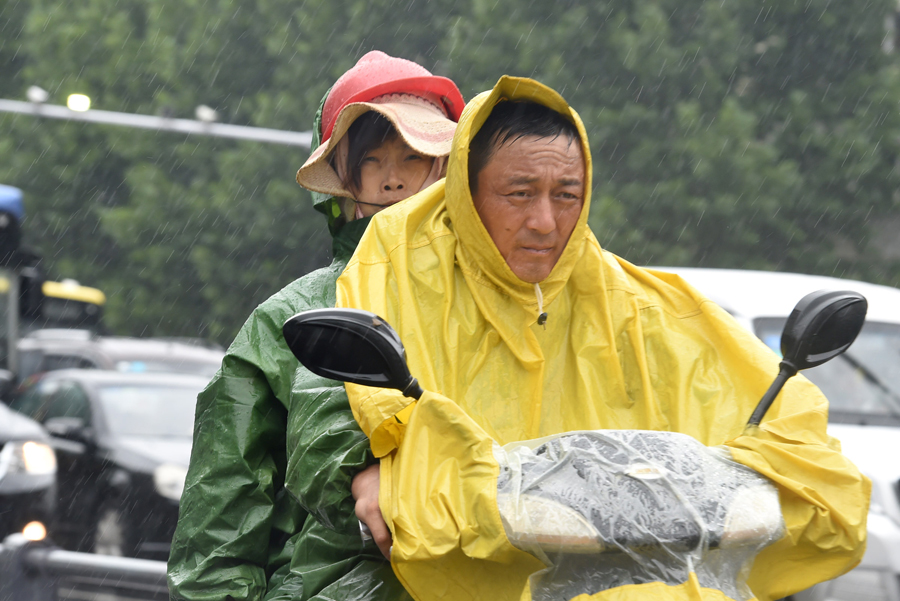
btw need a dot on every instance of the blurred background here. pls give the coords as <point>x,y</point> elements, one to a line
<point>744,134</point>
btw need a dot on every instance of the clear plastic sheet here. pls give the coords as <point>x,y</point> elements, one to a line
<point>608,508</point>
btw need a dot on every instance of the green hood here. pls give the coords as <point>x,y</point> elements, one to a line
<point>325,203</point>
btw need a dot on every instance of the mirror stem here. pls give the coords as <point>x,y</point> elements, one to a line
<point>785,372</point>
<point>412,389</point>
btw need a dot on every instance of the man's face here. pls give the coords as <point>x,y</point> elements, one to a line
<point>529,197</point>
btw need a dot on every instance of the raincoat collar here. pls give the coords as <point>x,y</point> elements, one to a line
<point>347,237</point>
<point>476,252</point>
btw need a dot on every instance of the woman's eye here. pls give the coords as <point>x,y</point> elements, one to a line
<point>415,157</point>
<point>369,159</point>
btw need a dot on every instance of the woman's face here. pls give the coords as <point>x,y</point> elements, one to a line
<point>390,173</point>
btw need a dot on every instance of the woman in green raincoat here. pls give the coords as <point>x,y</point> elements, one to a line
<point>385,129</point>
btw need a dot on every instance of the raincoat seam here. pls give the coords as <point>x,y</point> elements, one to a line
<point>688,315</point>
<point>404,244</point>
<point>431,239</point>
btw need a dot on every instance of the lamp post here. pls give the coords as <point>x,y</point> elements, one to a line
<point>78,109</point>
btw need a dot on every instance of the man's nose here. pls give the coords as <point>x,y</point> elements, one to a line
<point>541,218</point>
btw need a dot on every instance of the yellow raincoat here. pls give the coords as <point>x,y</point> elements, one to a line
<point>623,348</point>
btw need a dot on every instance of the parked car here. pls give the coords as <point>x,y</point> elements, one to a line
<point>123,443</point>
<point>27,475</point>
<point>863,390</point>
<point>46,350</point>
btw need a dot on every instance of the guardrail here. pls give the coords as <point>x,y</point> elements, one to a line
<point>35,571</point>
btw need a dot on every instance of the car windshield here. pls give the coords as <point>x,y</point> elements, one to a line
<point>170,366</point>
<point>863,384</point>
<point>149,410</point>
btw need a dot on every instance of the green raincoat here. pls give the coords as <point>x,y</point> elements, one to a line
<point>243,533</point>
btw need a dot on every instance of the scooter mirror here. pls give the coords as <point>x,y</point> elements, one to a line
<point>822,326</point>
<point>350,345</point>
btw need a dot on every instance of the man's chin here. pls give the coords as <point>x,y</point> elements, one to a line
<point>532,273</point>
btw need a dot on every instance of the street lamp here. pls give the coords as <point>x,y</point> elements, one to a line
<point>78,102</point>
<point>37,95</point>
<point>206,114</point>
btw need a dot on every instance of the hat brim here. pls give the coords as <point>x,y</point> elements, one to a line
<point>441,87</point>
<point>423,127</point>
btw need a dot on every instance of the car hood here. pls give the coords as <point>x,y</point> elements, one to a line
<point>874,449</point>
<point>14,426</point>
<point>156,450</point>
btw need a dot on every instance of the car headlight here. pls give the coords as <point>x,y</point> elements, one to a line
<point>27,457</point>
<point>168,479</point>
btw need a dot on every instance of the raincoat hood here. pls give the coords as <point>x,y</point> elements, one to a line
<point>624,348</point>
<point>326,204</point>
<point>477,252</point>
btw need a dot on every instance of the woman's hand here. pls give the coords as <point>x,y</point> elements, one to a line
<point>365,492</point>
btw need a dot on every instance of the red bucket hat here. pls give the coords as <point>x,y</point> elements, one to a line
<point>377,74</point>
<point>423,109</point>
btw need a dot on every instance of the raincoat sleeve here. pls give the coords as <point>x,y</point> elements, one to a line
<point>824,497</point>
<point>329,566</point>
<point>327,448</point>
<point>234,513</point>
<point>325,445</point>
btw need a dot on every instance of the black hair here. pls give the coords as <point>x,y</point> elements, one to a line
<point>509,121</point>
<point>367,133</point>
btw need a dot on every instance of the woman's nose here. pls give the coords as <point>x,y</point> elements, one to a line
<point>393,178</point>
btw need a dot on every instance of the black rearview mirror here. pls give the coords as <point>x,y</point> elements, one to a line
<point>350,345</point>
<point>822,326</point>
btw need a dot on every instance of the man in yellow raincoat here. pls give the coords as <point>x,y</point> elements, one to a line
<point>519,326</point>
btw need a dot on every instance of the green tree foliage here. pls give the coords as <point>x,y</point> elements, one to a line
<point>733,134</point>
<point>730,134</point>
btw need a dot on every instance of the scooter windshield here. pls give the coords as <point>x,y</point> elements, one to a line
<point>604,509</point>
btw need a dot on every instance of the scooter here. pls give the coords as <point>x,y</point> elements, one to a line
<point>608,508</point>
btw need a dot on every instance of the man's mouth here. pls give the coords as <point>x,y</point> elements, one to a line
<point>542,250</point>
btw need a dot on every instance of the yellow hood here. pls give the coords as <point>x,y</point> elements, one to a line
<point>624,348</point>
<point>477,254</point>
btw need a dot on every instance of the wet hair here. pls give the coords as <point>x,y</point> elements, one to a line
<point>367,133</point>
<point>509,121</point>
